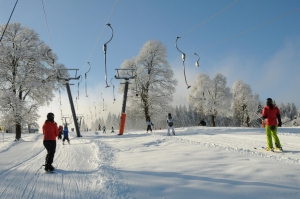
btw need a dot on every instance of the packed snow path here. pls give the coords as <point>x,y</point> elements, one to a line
<point>199,162</point>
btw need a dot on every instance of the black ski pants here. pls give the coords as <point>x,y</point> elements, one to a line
<point>66,138</point>
<point>50,146</point>
<point>149,128</point>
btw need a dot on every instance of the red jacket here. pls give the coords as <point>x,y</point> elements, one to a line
<point>270,115</point>
<point>50,130</point>
<point>60,129</point>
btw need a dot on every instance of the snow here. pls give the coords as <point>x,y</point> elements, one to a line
<point>199,162</point>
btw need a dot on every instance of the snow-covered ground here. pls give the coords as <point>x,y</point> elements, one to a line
<point>199,162</point>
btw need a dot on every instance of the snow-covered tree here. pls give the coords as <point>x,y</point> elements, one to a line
<point>152,90</point>
<point>211,95</point>
<point>293,111</point>
<point>282,110</point>
<point>245,104</point>
<point>28,75</point>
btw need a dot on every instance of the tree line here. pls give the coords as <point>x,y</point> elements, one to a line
<point>28,81</point>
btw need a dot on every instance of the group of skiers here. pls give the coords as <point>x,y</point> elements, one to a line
<point>270,114</point>
<point>51,131</point>
<point>170,121</point>
<point>271,121</point>
<point>104,129</point>
<point>63,131</point>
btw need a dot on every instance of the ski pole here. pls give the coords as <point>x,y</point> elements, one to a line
<point>262,119</point>
<point>258,116</point>
<point>288,121</point>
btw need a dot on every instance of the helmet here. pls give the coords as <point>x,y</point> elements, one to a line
<point>269,101</point>
<point>169,114</point>
<point>50,116</point>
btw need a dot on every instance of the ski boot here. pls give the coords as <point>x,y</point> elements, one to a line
<point>269,149</point>
<point>279,148</point>
<point>51,168</point>
<point>46,167</point>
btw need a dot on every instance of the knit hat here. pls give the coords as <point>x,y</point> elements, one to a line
<point>269,101</point>
<point>50,116</point>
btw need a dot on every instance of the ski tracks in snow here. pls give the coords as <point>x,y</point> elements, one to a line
<point>237,144</point>
<point>83,170</point>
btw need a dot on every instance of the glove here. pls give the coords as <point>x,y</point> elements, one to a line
<point>279,124</point>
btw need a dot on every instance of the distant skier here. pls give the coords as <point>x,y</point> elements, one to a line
<point>104,128</point>
<point>149,124</point>
<point>50,131</point>
<point>66,135</point>
<point>112,130</point>
<point>170,122</point>
<point>271,114</point>
<point>99,127</point>
<point>60,130</point>
<point>202,123</point>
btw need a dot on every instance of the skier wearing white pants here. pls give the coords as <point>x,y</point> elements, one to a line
<point>170,121</point>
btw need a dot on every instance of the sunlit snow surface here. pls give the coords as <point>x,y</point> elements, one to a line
<point>199,162</point>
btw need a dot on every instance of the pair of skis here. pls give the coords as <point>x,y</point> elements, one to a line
<point>273,150</point>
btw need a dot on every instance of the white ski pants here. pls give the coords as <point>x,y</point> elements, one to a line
<point>171,127</point>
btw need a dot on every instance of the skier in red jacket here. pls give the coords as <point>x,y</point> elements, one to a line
<point>271,114</point>
<point>60,131</point>
<point>50,132</point>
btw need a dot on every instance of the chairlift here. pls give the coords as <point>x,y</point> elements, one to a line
<point>183,59</point>
<point>113,89</point>
<point>85,75</point>
<point>197,62</point>
<point>104,49</point>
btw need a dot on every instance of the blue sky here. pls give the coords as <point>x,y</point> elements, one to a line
<point>267,58</point>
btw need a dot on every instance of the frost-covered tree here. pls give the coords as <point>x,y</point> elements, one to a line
<point>28,75</point>
<point>245,104</point>
<point>293,111</point>
<point>282,110</point>
<point>151,92</point>
<point>211,95</point>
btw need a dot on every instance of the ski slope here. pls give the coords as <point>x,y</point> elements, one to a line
<point>199,162</point>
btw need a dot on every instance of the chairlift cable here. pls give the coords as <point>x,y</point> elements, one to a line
<point>197,62</point>
<point>103,102</point>
<point>8,21</point>
<point>78,87</point>
<point>59,99</point>
<point>46,23</point>
<point>246,31</point>
<point>113,89</point>
<point>102,31</point>
<point>76,102</point>
<point>210,18</point>
<point>183,59</point>
<point>104,49</point>
<point>95,110</point>
<point>53,60</point>
<point>85,75</point>
<point>136,85</point>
